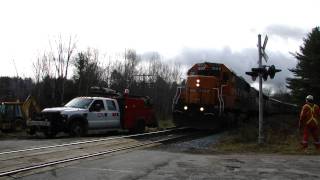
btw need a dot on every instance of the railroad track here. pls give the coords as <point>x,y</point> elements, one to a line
<point>22,162</point>
<point>92,141</point>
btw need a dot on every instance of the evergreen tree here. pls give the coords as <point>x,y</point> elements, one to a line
<point>87,72</point>
<point>307,70</point>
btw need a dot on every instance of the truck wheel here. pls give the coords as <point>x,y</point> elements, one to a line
<point>18,125</point>
<point>50,134</point>
<point>31,131</point>
<point>77,129</point>
<point>140,126</point>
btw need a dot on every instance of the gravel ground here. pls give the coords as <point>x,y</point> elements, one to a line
<point>153,164</point>
<point>200,145</point>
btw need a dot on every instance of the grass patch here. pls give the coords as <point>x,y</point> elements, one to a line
<point>162,124</point>
<point>165,123</point>
<point>280,132</point>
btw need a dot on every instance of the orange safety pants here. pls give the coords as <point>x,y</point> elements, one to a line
<point>314,131</point>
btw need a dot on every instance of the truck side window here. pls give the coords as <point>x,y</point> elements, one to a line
<point>111,105</point>
<point>97,105</point>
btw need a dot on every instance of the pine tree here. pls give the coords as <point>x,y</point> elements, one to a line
<point>307,70</point>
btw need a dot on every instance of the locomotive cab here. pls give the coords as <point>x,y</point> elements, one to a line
<point>207,94</point>
<point>213,96</point>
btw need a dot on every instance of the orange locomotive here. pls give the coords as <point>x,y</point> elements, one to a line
<point>212,91</point>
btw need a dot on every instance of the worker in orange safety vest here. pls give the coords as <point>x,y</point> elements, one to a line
<point>309,121</point>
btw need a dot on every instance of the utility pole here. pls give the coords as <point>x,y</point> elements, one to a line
<point>260,138</point>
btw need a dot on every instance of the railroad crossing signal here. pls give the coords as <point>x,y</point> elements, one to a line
<point>272,71</point>
<point>265,71</point>
<point>262,72</point>
<point>253,75</point>
<point>263,52</point>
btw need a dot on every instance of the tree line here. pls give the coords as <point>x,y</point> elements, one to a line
<point>54,85</point>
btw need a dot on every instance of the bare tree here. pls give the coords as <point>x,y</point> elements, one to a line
<point>61,57</point>
<point>37,69</point>
<point>42,69</point>
<point>130,63</point>
<point>106,72</point>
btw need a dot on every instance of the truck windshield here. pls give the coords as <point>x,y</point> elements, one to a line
<point>82,103</point>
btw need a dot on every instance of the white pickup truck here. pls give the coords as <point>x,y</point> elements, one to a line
<point>84,114</point>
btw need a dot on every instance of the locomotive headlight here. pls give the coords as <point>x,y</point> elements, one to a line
<point>185,107</point>
<point>198,80</point>
<point>198,84</point>
<point>201,109</point>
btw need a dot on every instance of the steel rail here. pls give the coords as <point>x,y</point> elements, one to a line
<point>38,166</point>
<point>89,141</point>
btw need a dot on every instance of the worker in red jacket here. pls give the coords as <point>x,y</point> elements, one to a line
<point>309,121</point>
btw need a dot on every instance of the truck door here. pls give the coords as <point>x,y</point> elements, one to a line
<point>113,118</point>
<point>97,116</point>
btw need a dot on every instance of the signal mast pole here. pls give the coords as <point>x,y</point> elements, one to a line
<point>260,138</point>
<point>262,72</point>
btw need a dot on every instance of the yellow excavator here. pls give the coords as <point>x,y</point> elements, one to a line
<point>14,115</point>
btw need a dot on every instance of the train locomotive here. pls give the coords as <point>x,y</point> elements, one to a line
<point>214,96</point>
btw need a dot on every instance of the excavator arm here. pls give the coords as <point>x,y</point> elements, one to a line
<point>29,107</point>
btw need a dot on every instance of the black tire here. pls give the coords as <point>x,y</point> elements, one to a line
<point>49,134</point>
<point>77,129</point>
<point>31,131</point>
<point>140,126</point>
<point>18,125</point>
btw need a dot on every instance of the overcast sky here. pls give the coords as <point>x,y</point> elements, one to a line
<point>187,31</point>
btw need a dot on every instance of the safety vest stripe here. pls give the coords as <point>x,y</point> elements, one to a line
<point>312,115</point>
